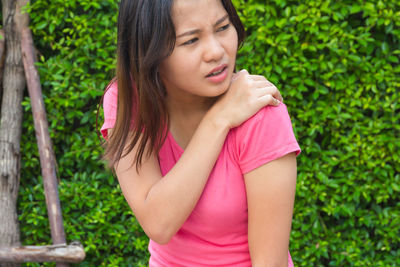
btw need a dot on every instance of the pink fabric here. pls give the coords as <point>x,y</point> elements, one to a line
<point>215,234</point>
<point>110,102</point>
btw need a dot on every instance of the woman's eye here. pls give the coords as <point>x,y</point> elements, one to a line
<point>191,41</point>
<point>223,28</point>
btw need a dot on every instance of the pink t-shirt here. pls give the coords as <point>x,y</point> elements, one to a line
<point>215,234</point>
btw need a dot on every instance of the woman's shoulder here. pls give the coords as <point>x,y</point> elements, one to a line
<point>110,102</point>
<point>264,137</point>
<point>270,117</point>
<point>111,92</point>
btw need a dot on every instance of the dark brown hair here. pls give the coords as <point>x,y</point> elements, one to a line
<point>146,36</point>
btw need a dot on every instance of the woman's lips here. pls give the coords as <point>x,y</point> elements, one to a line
<point>219,68</point>
<point>220,77</point>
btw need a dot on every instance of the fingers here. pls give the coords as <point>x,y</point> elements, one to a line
<point>264,89</point>
<point>269,88</point>
<point>266,100</point>
<point>258,78</point>
<point>278,95</point>
<point>262,83</point>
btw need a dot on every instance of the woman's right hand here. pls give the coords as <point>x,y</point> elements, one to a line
<point>246,95</point>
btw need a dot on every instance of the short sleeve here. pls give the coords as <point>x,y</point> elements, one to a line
<point>266,136</point>
<point>110,102</point>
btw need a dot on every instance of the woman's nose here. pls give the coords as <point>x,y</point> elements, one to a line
<point>213,50</point>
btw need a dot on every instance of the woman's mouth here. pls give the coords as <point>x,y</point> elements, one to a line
<point>215,73</point>
<point>218,74</point>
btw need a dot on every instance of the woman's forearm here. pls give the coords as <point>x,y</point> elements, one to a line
<point>171,200</point>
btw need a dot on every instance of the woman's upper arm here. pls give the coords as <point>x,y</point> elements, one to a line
<point>134,184</point>
<point>270,195</point>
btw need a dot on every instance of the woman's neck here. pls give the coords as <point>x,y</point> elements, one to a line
<point>185,116</point>
<point>188,108</point>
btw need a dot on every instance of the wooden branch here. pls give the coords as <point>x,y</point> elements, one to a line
<point>2,58</point>
<point>73,253</point>
<point>46,154</point>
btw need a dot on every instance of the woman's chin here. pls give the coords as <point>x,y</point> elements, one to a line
<point>220,91</point>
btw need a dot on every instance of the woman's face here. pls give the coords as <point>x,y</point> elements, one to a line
<point>203,59</point>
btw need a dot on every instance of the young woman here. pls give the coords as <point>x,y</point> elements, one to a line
<point>205,157</point>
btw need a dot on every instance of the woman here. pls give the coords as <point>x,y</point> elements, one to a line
<point>207,169</point>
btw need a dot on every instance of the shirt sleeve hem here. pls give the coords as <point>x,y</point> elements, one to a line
<point>109,123</point>
<point>258,161</point>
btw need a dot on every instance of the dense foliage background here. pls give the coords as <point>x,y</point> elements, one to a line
<point>337,65</point>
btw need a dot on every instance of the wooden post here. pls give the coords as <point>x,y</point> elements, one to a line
<point>2,57</point>
<point>47,158</point>
<point>73,253</point>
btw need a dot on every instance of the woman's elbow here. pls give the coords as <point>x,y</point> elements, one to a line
<point>160,238</point>
<point>159,234</point>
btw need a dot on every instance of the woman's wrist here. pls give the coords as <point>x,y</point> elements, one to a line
<point>216,117</point>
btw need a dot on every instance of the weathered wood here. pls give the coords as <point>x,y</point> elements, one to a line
<point>2,57</point>
<point>43,138</point>
<point>46,154</point>
<point>10,129</point>
<point>73,253</point>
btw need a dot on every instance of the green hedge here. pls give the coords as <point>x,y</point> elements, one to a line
<point>337,65</point>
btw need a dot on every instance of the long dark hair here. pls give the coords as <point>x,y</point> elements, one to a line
<point>146,36</point>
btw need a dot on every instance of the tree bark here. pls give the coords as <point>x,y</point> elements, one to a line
<point>10,126</point>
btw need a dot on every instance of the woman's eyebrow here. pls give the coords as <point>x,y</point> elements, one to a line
<point>197,30</point>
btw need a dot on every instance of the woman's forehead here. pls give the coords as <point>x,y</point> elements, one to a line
<point>196,13</point>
